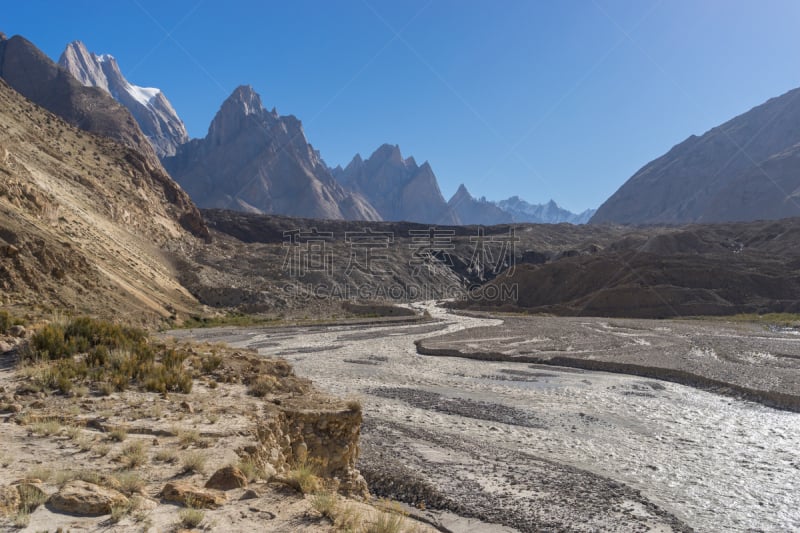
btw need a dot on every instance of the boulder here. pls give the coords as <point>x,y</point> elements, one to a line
<point>227,478</point>
<point>192,496</point>
<point>85,499</point>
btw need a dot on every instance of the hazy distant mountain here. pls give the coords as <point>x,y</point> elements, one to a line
<point>149,106</point>
<point>30,72</point>
<point>745,169</point>
<point>258,161</point>
<point>472,210</point>
<point>549,213</point>
<point>398,188</point>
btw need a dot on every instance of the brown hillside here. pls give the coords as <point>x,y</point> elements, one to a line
<point>84,220</point>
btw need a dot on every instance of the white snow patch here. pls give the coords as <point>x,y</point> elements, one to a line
<point>143,95</point>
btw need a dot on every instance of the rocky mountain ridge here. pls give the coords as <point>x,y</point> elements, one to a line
<point>397,187</point>
<point>151,109</point>
<point>745,169</point>
<point>258,161</point>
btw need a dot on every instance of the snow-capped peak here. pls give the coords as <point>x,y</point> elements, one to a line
<point>155,116</point>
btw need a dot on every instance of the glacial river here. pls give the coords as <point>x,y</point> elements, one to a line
<point>716,463</point>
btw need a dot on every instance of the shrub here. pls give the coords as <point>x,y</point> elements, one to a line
<point>30,497</point>
<point>210,363</point>
<point>134,454</point>
<point>187,437</point>
<point>46,428</point>
<point>348,518</point>
<point>194,462</point>
<point>113,356</point>
<point>166,456</point>
<point>120,511</point>
<point>191,518</point>
<point>325,503</point>
<point>102,449</point>
<point>303,477</point>
<point>130,481</point>
<point>262,385</point>
<point>386,523</point>
<point>6,321</point>
<point>118,434</point>
<point>251,470</point>
<point>40,472</point>
<point>22,519</point>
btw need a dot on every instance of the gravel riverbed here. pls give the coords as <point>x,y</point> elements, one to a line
<point>545,448</point>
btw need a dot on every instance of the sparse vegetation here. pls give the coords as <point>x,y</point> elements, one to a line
<point>41,473</point>
<point>348,518</point>
<point>166,456</point>
<point>262,385</point>
<point>7,321</point>
<point>189,437</point>
<point>114,357</point>
<point>118,434</point>
<point>325,503</point>
<point>120,511</point>
<point>783,320</point>
<point>251,470</point>
<point>303,477</point>
<point>46,428</point>
<point>191,518</point>
<point>22,519</point>
<point>134,454</point>
<point>102,449</point>
<point>230,319</point>
<point>30,497</point>
<point>210,363</point>
<point>384,522</point>
<point>130,481</point>
<point>194,462</point>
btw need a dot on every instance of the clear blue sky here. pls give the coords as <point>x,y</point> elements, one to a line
<point>546,99</point>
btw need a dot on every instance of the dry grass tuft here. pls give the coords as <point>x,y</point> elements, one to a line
<point>194,462</point>
<point>326,503</point>
<point>134,455</point>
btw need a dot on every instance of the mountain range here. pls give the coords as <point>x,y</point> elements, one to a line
<point>256,161</point>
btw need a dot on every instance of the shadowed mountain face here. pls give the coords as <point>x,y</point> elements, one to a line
<point>85,221</point>
<point>745,169</point>
<point>398,188</point>
<point>30,72</point>
<point>257,161</point>
<point>151,109</point>
<point>652,272</point>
